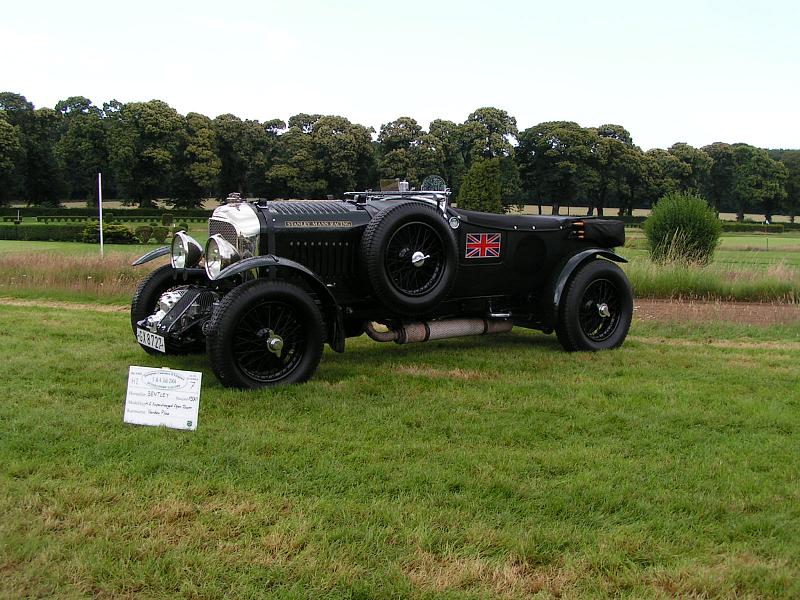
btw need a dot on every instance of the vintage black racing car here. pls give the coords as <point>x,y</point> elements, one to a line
<point>277,280</point>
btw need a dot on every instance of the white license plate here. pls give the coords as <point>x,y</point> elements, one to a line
<point>151,340</point>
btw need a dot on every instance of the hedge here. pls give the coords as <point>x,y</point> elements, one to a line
<point>41,232</point>
<point>36,211</point>
<point>754,227</point>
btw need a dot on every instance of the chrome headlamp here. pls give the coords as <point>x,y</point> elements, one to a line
<point>186,251</point>
<point>220,253</point>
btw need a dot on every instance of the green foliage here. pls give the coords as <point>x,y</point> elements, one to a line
<point>113,233</point>
<point>750,226</point>
<point>555,162</point>
<point>183,226</point>
<point>682,228</point>
<point>143,233</point>
<point>482,187</point>
<point>41,232</point>
<point>10,158</point>
<point>167,219</point>
<point>160,234</point>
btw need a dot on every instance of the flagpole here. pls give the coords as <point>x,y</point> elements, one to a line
<point>100,207</point>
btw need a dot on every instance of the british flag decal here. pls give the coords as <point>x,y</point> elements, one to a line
<point>483,245</point>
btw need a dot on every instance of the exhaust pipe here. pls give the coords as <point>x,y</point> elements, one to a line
<point>424,331</point>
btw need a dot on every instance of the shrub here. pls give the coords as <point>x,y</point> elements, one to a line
<point>167,219</point>
<point>482,187</point>
<point>682,228</point>
<point>183,227</point>
<point>143,233</point>
<point>113,233</point>
<point>160,234</point>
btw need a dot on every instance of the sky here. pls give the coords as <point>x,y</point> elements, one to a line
<point>694,72</point>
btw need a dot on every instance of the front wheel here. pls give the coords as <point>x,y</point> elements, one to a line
<point>265,333</point>
<point>145,303</point>
<point>596,308</point>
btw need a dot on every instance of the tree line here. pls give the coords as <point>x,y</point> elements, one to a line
<point>148,151</point>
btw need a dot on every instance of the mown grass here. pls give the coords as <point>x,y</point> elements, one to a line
<point>462,468</point>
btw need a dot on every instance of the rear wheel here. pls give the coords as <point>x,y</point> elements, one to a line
<point>596,308</point>
<point>265,333</point>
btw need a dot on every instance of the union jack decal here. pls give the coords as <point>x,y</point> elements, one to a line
<point>483,245</point>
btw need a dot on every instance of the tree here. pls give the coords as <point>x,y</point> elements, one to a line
<point>328,155</point>
<point>616,162</point>
<point>554,162</point>
<point>82,147</point>
<point>488,132</point>
<point>758,181</point>
<point>790,160</point>
<point>144,152</point>
<point>482,187</point>
<point>10,158</point>
<point>39,169</point>
<point>692,170</point>
<point>453,165</point>
<point>721,174</point>
<point>407,152</point>
<point>44,175</point>
<point>197,164</point>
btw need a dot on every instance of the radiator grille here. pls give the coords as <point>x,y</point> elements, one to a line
<point>225,229</point>
<point>319,207</point>
<point>327,259</point>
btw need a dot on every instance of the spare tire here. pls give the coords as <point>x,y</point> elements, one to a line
<point>410,256</point>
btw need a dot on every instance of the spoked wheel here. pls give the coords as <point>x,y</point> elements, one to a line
<point>596,308</point>
<point>410,256</point>
<point>599,312</point>
<point>415,258</point>
<point>265,333</point>
<point>145,303</point>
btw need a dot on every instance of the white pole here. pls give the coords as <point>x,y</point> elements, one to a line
<point>100,208</point>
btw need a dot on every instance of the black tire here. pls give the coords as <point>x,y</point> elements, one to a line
<point>596,308</point>
<point>145,303</point>
<point>248,318</point>
<point>391,239</point>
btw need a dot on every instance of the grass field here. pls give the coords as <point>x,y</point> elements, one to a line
<point>743,269</point>
<point>667,468</point>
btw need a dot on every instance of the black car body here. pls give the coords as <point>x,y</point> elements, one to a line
<point>277,280</point>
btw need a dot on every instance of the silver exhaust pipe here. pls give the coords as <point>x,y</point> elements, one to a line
<point>424,331</point>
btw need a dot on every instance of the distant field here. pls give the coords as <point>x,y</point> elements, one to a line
<point>748,267</point>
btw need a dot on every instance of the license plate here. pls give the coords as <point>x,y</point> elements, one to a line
<point>151,340</point>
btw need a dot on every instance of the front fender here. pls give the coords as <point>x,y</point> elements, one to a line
<point>334,322</point>
<point>555,288</point>
<point>153,254</point>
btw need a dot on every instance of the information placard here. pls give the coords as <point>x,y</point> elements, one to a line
<point>163,397</point>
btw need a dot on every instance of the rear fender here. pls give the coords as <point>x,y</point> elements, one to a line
<point>558,281</point>
<point>334,321</point>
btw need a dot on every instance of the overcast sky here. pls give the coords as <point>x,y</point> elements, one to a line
<point>695,72</point>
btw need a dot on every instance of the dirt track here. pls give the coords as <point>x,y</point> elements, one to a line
<point>751,313</point>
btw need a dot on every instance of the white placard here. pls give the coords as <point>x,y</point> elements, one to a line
<point>163,397</point>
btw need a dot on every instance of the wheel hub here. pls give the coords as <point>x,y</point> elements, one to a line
<point>273,341</point>
<point>603,311</point>
<point>418,258</point>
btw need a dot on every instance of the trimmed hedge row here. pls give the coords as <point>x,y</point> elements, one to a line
<point>754,227</point>
<point>41,232</point>
<point>36,211</point>
<point>111,219</point>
